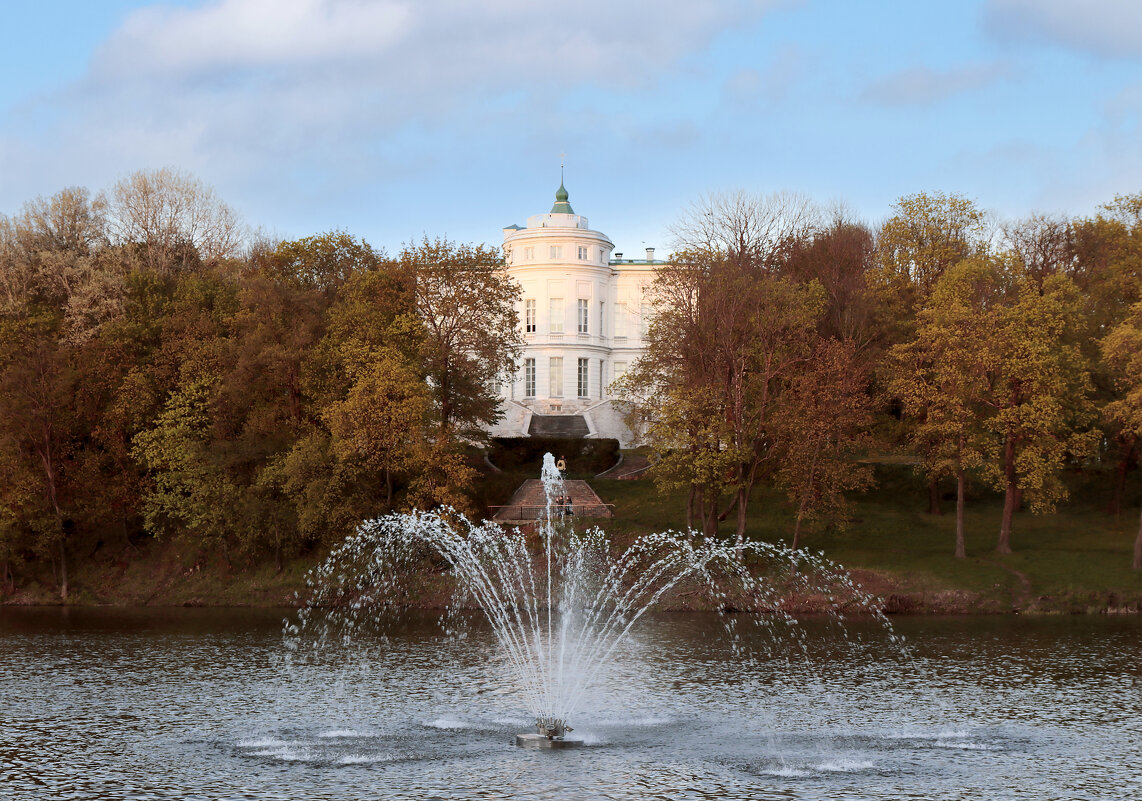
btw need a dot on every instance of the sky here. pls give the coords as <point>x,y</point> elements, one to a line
<point>397,119</point>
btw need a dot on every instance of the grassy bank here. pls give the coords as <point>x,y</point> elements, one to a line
<point>1074,561</point>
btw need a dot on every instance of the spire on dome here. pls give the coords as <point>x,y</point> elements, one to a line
<point>561,205</point>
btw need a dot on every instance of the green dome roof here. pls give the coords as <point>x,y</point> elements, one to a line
<point>561,205</point>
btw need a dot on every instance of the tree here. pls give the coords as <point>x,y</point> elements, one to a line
<point>325,261</point>
<point>928,234</point>
<point>191,493</point>
<point>467,305</point>
<point>37,399</point>
<point>1038,390</point>
<point>1122,350</point>
<point>1107,268</point>
<point>824,417</point>
<point>380,424</point>
<point>747,230</point>
<point>176,220</point>
<point>941,375</point>
<point>840,256</point>
<point>724,343</point>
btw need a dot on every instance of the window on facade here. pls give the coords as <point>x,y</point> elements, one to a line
<point>620,371</point>
<point>555,251</point>
<point>529,316</point>
<point>602,255</point>
<point>584,366</point>
<point>644,322</point>
<point>556,373</point>
<point>582,254</point>
<point>529,254</point>
<point>602,318</point>
<point>584,315</point>
<point>621,320</point>
<point>556,316</point>
<point>529,378</point>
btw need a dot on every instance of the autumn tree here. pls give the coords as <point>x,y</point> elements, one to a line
<point>1107,269</point>
<point>749,231</point>
<point>941,375</point>
<point>1038,389</point>
<point>37,399</point>
<point>467,304</point>
<point>177,221</point>
<point>1122,350</point>
<point>323,261</point>
<point>928,233</point>
<point>724,343</point>
<point>824,417</point>
<point>840,256</point>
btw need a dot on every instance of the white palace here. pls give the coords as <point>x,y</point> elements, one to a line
<point>584,310</point>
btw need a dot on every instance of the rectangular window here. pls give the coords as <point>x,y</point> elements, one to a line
<point>584,315</point>
<point>529,316</point>
<point>529,254</point>
<point>529,378</point>
<point>555,251</point>
<point>644,323</point>
<point>621,320</point>
<point>582,254</point>
<point>620,371</point>
<point>584,366</point>
<point>602,255</point>
<point>555,318</point>
<point>602,319</point>
<point>556,370</point>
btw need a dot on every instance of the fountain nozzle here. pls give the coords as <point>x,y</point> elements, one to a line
<point>552,727</point>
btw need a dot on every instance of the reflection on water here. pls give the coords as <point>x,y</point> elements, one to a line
<point>196,704</point>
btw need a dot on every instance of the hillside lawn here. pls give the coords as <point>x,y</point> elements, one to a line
<point>1074,561</point>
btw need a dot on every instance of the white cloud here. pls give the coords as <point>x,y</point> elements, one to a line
<point>919,86</point>
<point>301,93</point>
<point>1101,27</point>
<point>437,44</point>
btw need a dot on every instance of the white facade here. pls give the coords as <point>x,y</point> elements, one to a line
<point>583,310</point>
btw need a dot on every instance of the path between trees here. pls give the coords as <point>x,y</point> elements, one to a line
<point>528,502</point>
<point>1020,599</point>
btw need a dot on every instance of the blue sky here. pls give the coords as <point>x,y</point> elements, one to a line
<point>396,118</point>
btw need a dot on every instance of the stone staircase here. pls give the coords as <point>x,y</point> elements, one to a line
<point>527,504</point>
<point>571,426</point>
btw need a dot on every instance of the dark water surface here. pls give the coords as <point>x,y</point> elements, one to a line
<point>201,704</point>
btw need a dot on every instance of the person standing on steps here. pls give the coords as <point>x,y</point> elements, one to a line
<point>561,466</point>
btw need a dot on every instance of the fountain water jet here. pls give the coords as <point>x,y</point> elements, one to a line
<point>560,611</point>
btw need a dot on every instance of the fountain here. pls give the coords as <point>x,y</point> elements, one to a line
<point>560,602</point>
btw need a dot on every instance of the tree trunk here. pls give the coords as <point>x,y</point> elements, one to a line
<point>934,495</point>
<point>690,508</point>
<point>1118,490</point>
<point>388,489</point>
<point>62,569</point>
<point>960,551</point>
<point>797,526</point>
<point>742,503</point>
<point>710,526</point>
<point>1011,499</point>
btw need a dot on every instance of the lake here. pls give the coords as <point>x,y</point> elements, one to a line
<point>205,704</point>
